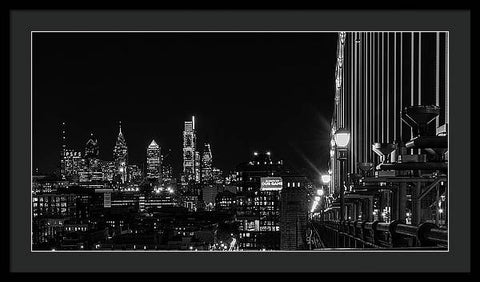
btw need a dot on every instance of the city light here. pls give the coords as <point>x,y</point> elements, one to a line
<point>320,192</point>
<point>342,138</point>
<point>326,178</point>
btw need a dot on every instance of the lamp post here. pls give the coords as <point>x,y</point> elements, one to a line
<point>342,139</point>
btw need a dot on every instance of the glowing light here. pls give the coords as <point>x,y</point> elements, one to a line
<point>317,198</point>
<point>268,153</point>
<point>332,153</point>
<point>320,192</point>
<point>326,178</point>
<point>342,138</point>
<point>440,210</point>
<point>255,153</point>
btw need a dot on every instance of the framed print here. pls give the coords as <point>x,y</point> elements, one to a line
<point>249,141</point>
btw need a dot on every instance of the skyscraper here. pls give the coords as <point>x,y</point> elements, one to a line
<point>91,148</point>
<point>120,156</point>
<point>206,163</point>
<point>154,164</point>
<point>71,160</point>
<point>198,164</point>
<point>91,168</point>
<point>63,154</point>
<point>189,152</point>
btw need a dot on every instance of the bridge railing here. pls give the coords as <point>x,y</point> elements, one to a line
<point>375,234</point>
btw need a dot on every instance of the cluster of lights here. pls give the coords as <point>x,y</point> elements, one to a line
<point>317,198</point>
<point>163,189</point>
<point>131,189</point>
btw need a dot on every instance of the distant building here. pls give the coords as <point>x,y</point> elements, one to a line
<point>53,204</point>
<point>190,202</point>
<point>154,164</point>
<point>209,193</point>
<point>108,169</point>
<point>207,159</point>
<point>72,162</point>
<point>294,213</point>
<point>225,202</point>
<point>92,150</point>
<point>189,152</point>
<point>91,167</point>
<point>259,184</point>
<point>135,174</point>
<point>217,176</point>
<point>120,156</point>
<point>167,169</point>
<point>198,164</point>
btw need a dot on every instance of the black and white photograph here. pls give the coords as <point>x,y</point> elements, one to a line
<point>218,141</point>
<point>238,142</point>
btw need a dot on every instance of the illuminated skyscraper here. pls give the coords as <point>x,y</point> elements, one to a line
<point>71,160</point>
<point>206,164</point>
<point>63,154</point>
<point>198,164</point>
<point>91,168</point>
<point>154,164</point>
<point>91,148</point>
<point>189,152</point>
<point>120,156</point>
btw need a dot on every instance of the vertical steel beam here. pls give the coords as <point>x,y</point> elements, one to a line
<point>383,89</point>
<point>416,203</point>
<point>419,68</point>
<point>437,75</point>
<point>395,86</point>
<point>402,201</point>
<point>387,128</point>
<point>401,84</point>
<point>447,76</point>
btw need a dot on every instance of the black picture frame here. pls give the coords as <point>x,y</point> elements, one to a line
<point>22,22</point>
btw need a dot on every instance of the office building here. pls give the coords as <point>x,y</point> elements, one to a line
<point>120,156</point>
<point>154,165</point>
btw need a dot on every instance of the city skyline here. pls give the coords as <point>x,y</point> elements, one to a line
<point>304,127</point>
<point>255,173</point>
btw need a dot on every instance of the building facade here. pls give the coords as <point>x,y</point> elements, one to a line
<point>154,165</point>
<point>257,206</point>
<point>189,152</point>
<point>120,156</point>
<point>294,212</point>
<point>206,165</point>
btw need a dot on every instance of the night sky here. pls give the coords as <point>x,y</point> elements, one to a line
<point>248,92</point>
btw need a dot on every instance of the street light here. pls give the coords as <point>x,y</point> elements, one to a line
<point>320,192</point>
<point>326,178</point>
<point>342,138</point>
